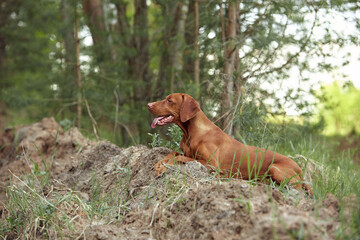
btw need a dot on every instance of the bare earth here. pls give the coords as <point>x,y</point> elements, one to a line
<point>186,203</point>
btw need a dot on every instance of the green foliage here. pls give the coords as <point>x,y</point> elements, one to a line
<point>133,61</point>
<point>250,122</point>
<point>174,136</point>
<point>338,108</point>
<point>28,74</point>
<point>66,124</point>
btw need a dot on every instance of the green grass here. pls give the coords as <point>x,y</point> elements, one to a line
<point>334,171</point>
<point>39,208</point>
<point>34,211</point>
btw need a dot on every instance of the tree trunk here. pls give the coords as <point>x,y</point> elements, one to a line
<point>189,41</point>
<point>68,18</point>
<point>68,34</point>
<point>93,11</point>
<point>3,19</point>
<point>177,44</point>
<point>95,21</point>
<point>230,50</point>
<point>239,81</point>
<point>196,49</point>
<point>123,26</point>
<point>191,52</point>
<point>107,14</point>
<point>125,42</point>
<point>78,73</point>
<point>140,69</point>
<point>2,50</point>
<point>172,14</point>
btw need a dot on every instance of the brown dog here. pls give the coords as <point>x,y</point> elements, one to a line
<point>204,142</point>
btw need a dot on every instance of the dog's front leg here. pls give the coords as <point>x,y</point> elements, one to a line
<point>170,159</point>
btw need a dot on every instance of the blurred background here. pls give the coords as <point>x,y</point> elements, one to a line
<point>265,71</point>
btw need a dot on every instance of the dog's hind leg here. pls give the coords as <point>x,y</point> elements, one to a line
<point>283,171</point>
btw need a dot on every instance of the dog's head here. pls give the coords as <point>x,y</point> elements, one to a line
<point>175,108</point>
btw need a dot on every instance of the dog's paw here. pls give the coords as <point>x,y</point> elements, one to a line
<point>159,168</point>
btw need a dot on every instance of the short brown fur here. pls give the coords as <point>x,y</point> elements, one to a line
<point>206,143</point>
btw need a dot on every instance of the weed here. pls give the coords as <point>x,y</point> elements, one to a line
<point>175,135</point>
<point>29,213</point>
<point>66,124</point>
<point>175,186</point>
<point>156,140</point>
<point>244,202</point>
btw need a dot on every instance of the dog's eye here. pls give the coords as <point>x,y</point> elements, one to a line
<point>169,101</point>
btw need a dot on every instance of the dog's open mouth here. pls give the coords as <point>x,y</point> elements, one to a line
<point>163,120</point>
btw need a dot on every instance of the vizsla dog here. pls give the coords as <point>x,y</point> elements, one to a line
<point>204,142</point>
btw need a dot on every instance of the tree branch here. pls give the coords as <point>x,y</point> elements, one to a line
<point>293,56</point>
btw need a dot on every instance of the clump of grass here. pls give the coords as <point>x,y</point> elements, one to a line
<point>108,206</point>
<point>45,175</point>
<point>332,171</point>
<point>40,207</point>
<point>31,213</point>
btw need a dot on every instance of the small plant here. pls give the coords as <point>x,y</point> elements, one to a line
<point>43,176</point>
<point>174,134</point>
<point>156,140</point>
<point>66,124</point>
<point>109,206</point>
<point>175,186</point>
<point>243,203</point>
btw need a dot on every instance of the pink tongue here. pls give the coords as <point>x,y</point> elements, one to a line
<point>153,125</point>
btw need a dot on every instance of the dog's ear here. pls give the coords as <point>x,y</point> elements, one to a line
<point>189,108</point>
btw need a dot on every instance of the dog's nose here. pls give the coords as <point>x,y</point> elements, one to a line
<point>150,105</point>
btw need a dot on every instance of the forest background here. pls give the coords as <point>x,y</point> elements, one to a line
<point>95,64</point>
<point>282,75</point>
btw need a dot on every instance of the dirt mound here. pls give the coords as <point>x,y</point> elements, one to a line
<point>113,193</point>
<point>232,210</point>
<point>202,208</point>
<point>40,144</point>
<point>114,167</point>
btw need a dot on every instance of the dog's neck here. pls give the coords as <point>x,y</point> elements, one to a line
<point>199,124</point>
